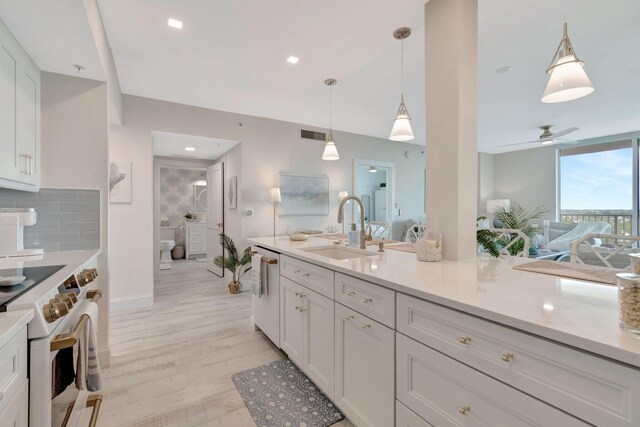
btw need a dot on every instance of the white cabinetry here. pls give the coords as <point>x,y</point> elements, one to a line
<point>364,369</point>
<point>14,397</point>
<point>19,116</point>
<point>447,393</point>
<point>196,239</point>
<point>306,332</point>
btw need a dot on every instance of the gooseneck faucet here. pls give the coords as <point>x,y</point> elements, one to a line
<point>363,237</point>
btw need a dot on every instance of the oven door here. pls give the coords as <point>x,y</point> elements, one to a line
<point>54,400</point>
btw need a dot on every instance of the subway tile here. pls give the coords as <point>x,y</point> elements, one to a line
<point>40,205</point>
<point>89,216</point>
<point>76,246</point>
<point>89,195</point>
<point>80,226</point>
<point>7,194</point>
<point>90,235</point>
<point>47,216</point>
<point>43,226</point>
<point>8,203</point>
<point>60,236</point>
<point>59,195</point>
<point>80,206</point>
<point>47,247</point>
<point>31,238</point>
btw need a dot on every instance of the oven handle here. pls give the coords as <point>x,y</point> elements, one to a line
<point>94,400</point>
<point>69,340</point>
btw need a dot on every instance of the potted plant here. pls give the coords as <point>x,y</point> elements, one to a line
<point>233,261</point>
<point>188,216</point>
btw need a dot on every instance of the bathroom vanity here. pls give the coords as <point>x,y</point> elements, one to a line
<point>393,341</point>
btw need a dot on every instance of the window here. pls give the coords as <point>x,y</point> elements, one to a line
<point>597,183</point>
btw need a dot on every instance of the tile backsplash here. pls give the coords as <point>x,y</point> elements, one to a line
<point>67,219</point>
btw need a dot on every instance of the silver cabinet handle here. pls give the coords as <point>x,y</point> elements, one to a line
<point>350,293</point>
<point>30,164</point>
<point>367,300</point>
<point>296,271</point>
<point>365,326</point>
<point>22,163</point>
<point>350,317</point>
<point>306,274</point>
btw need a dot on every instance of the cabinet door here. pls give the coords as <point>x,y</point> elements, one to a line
<point>364,355</point>
<point>7,115</point>
<point>291,320</point>
<point>317,337</point>
<point>26,126</point>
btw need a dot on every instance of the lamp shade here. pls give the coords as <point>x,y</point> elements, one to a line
<point>274,194</point>
<point>330,150</point>
<point>567,81</point>
<point>343,195</point>
<point>497,204</point>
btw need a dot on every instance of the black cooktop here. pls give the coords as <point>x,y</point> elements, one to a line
<point>34,276</point>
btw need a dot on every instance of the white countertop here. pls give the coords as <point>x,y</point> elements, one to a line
<point>573,312</point>
<point>11,322</point>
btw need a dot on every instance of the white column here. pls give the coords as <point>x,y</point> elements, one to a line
<point>451,73</point>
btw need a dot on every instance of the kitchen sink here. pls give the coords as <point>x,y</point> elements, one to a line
<point>338,252</point>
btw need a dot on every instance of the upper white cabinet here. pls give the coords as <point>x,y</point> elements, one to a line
<point>19,116</point>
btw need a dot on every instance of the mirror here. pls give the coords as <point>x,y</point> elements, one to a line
<point>200,199</point>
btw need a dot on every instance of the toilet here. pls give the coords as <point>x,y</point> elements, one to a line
<point>165,253</point>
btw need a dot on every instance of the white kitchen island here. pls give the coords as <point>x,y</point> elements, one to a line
<point>394,341</point>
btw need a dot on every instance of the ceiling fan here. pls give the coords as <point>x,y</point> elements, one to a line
<point>547,137</point>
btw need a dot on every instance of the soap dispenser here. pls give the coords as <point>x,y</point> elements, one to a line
<point>353,235</point>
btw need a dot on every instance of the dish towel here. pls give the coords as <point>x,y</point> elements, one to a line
<point>63,371</point>
<point>256,275</point>
<point>88,375</point>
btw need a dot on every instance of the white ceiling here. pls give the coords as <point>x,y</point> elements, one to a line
<point>230,55</point>
<point>174,144</point>
<point>56,35</point>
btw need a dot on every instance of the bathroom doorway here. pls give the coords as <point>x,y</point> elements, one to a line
<point>374,184</point>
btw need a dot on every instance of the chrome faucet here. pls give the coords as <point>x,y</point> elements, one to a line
<point>363,237</point>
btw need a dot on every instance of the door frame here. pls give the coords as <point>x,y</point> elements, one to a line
<point>391,184</point>
<point>224,178</point>
<point>167,162</point>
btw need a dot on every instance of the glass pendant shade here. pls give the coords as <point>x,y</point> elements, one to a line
<point>401,130</point>
<point>567,81</point>
<point>330,150</point>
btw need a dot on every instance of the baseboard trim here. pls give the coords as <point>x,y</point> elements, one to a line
<point>129,303</point>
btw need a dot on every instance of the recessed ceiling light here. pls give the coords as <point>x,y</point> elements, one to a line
<point>189,148</point>
<point>505,69</point>
<point>174,23</point>
<point>293,60</point>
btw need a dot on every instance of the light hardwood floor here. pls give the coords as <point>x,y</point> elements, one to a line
<point>172,363</point>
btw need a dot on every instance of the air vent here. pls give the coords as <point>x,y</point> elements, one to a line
<point>315,136</point>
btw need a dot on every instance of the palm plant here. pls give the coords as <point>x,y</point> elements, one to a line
<point>233,261</point>
<point>516,217</point>
<point>487,239</point>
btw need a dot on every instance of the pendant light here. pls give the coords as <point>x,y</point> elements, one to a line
<point>401,130</point>
<point>373,169</point>
<point>330,150</point>
<point>567,78</point>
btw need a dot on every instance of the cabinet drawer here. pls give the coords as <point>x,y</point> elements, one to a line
<point>372,300</point>
<point>313,277</point>
<point>195,239</point>
<point>596,390</point>
<point>445,392</point>
<point>16,413</point>
<point>13,367</point>
<point>196,230</point>
<point>405,417</point>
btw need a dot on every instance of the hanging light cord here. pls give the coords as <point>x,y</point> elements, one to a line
<point>402,66</point>
<point>330,107</point>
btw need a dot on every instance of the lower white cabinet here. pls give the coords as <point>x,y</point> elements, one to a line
<point>364,355</point>
<point>446,392</point>
<point>16,414</point>
<point>196,239</point>
<point>306,332</point>
<point>291,320</point>
<point>405,417</point>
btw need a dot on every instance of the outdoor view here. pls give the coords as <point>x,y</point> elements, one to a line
<point>598,186</point>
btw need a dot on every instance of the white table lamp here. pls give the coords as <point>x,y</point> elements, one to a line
<point>275,197</point>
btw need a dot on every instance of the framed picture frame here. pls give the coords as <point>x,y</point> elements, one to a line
<point>120,183</point>
<point>232,192</point>
<point>303,195</point>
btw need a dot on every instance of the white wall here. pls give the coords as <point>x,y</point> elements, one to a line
<point>74,154</point>
<point>267,147</point>
<point>527,177</point>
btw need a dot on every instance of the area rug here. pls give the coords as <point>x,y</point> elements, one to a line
<point>279,394</point>
<point>573,271</point>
